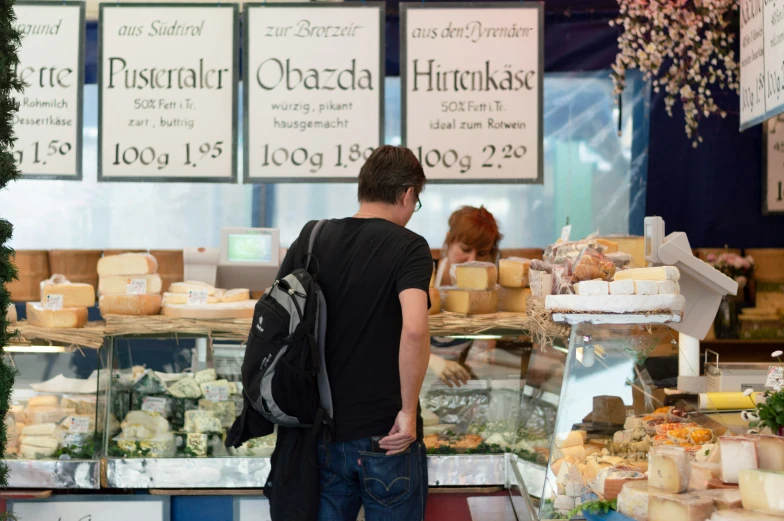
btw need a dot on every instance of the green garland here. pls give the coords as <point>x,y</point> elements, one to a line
<point>9,82</point>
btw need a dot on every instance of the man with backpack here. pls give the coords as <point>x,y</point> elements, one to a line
<point>355,289</point>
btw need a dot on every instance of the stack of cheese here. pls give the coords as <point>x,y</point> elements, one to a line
<point>63,304</point>
<point>38,441</point>
<point>635,291</point>
<point>197,300</point>
<point>475,292</point>
<point>513,281</point>
<point>145,433</point>
<point>129,284</point>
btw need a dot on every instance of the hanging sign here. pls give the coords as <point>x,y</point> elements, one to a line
<point>167,92</point>
<point>92,508</point>
<point>313,80</point>
<point>773,174</point>
<point>472,86</point>
<point>48,125</point>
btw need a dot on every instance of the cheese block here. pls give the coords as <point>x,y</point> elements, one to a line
<point>143,424</point>
<point>137,305</point>
<point>646,287</point>
<point>182,298</point>
<point>435,301</point>
<point>215,383</point>
<point>513,300</point>
<point>513,272</point>
<point>702,473</point>
<point>633,500</point>
<point>660,273</point>
<point>127,264</point>
<point>28,452</point>
<point>668,287</point>
<point>224,411</point>
<point>610,481</point>
<point>43,401</point>
<point>684,507</point>
<point>47,429</point>
<point>577,452</point>
<point>471,302</point>
<point>200,421</point>
<point>722,499</point>
<point>607,246</point>
<point>85,407</point>
<point>66,318</point>
<point>10,314</point>
<point>570,439</point>
<point>191,285</point>
<point>668,470</point>
<point>541,283</point>
<point>73,295</point>
<point>770,451</point>
<point>609,409</point>
<point>762,490</point>
<point>235,295</point>
<point>565,504</point>
<point>119,284</point>
<point>205,375</point>
<point>737,453</point>
<point>476,275</point>
<point>242,309</point>
<point>185,388</point>
<point>622,287</point>
<point>616,304</point>
<point>592,288</point>
<point>44,442</point>
<point>741,514</point>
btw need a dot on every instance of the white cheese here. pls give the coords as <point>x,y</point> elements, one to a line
<point>201,422</point>
<point>564,504</point>
<point>191,285</point>
<point>646,287</point>
<point>10,314</point>
<point>668,287</point>
<point>47,429</point>
<point>633,500</point>
<point>235,295</point>
<point>182,298</point>
<point>127,264</point>
<point>28,452</point>
<point>737,453</point>
<point>144,425</point>
<point>741,514</point>
<point>43,401</point>
<point>207,375</point>
<point>762,490</point>
<point>701,473</point>
<point>684,507</point>
<point>660,273</point>
<point>44,442</point>
<point>592,288</point>
<point>622,287</point>
<point>185,388</point>
<point>669,469</point>
<point>39,415</point>
<point>723,499</point>
<point>617,304</point>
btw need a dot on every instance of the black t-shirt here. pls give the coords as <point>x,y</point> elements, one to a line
<point>363,266</point>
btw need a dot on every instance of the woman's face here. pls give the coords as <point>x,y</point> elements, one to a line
<point>458,253</point>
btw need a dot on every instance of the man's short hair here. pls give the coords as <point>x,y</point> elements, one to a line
<point>388,173</point>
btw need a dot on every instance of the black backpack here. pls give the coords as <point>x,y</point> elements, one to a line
<point>284,374</point>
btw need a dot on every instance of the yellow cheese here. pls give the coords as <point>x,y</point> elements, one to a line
<point>118,284</point>
<point>74,295</point>
<point>723,499</point>
<point>43,401</point>
<point>63,318</point>
<point>470,302</point>
<point>668,471</point>
<point>684,507</point>
<point>608,246</point>
<point>701,473</point>
<point>513,272</point>
<point>660,273</point>
<point>235,295</point>
<point>182,298</point>
<point>130,304</point>
<point>433,278</point>
<point>514,300</point>
<point>741,514</point>
<point>435,301</point>
<point>191,285</point>
<point>570,439</point>
<point>476,275</point>
<point>10,314</point>
<point>127,264</point>
<point>762,490</point>
<point>39,430</point>
<point>242,309</point>
<point>45,442</point>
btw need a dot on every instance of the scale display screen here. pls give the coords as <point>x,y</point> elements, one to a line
<point>249,248</point>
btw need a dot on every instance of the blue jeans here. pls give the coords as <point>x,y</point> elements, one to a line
<point>391,488</point>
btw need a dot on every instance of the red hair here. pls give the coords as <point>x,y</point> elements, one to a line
<point>474,227</point>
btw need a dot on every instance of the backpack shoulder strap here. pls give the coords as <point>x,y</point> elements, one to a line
<point>312,241</point>
<point>303,249</point>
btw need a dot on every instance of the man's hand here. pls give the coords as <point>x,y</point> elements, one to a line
<point>402,435</point>
<point>454,375</point>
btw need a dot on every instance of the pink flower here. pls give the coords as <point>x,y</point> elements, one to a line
<point>741,280</point>
<point>711,257</point>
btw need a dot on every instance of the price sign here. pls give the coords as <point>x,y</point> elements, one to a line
<point>472,90</point>
<point>136,287</point>
<point>773,173</point>
<point>197,296</point>
<point>79,425</point>
<point>775,376</point>
<point>314,89</point>
<point>53,302</point>
<point>154,404</point>
<point>167,92</point>
<point>48,125</point>
<point>74,508</point>
<point>216,393</point>
<point>753,98</point>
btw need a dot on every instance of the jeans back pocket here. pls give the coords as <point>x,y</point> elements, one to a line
<point>387,479</point>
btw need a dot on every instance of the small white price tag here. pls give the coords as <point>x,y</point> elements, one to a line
<point>79,425</point>
<point>154,404</point>
<point>54,302</point>
<point>136,287</point>
<point>775,376</point>
<point>197,296</point>
<point>240,388</point>
<point>216,393</point>
<point>566,232</point>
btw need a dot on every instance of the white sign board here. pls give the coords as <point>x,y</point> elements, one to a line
<point>773,178</point>
<point>472,90</point>
<point>251,509</point>
<point>313,81</point>
<point>167,92</point>
<point>91,510</point>
<point>48,125</point>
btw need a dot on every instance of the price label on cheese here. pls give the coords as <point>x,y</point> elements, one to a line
<point>240,388</point>
<point>197,296</point>
<point>136,287</point>
<point>775,376</point>
<point>54,302</point>
<point>216,393</point>
<point>154,404</point>
<point>566,232</point>
<point>79,425</point>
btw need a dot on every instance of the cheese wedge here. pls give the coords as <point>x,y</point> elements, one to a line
<point>513,300</point>
<point>191,285</point>
<point>737,453</point>
<point>660,273</point>
<point>513,272</point>
<point>476,275</point>
<point>468,302</point>
<point>633,500</point>
<point>669,469</point>
<point>702,473</point>
<point>119,284</point>
<point>741,514</point>
<point>570,439</point>
<point>770,451</point>
<point>182,298</point>
<point>127,264</point>
<point>646,287</point>
<point>235,295</point>
<point>668,287</point>
<point>608,246</point>
<point>435,301</point>
<point>622,287</point>
<point>130,304</point>
<point>762,490</point>
<point>684,507</point>
<point>592,288</point>
<point>63,318</point>
<point>73,295</point>
<point>723,499</point>
<point>243,309</point>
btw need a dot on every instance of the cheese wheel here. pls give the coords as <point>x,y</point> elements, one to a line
<point>127,264</point>
<point>235,295</point>
<point>191,285</point>
<point>471,302</point>
<point>130,304</point>
<point>513,272</point>
<point>118,284</point>
<point>182,298</point>
<point>73,295</point>
<point>242,309</point>
<point>762,490</point>
<point>686,507</point>
<point>62,318</point>
<point>47,429</point>
<point>476,275</point>
<point>514,300</point>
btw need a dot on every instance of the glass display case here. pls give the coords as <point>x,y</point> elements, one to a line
<point>54,425</point>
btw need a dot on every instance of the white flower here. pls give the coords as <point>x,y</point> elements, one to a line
<point>748,392</point>
<point>776,354</point>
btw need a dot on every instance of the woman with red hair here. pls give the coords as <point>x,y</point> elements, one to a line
<point>473,236</point>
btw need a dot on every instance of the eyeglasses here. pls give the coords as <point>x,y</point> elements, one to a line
<point>418,205</point>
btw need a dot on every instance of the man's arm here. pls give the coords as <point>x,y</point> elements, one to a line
<point>414,355</point>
